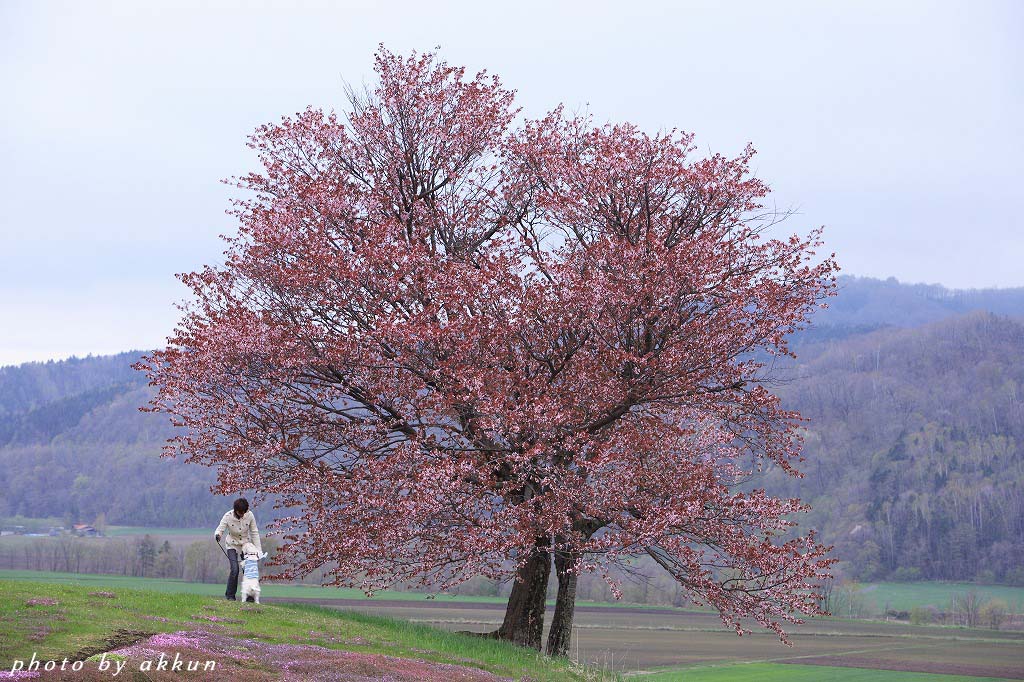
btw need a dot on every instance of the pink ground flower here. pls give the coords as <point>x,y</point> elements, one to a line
<point>216,619</point>
<point>105,595</point>
<point>41,601</point>
<point>238,656</point>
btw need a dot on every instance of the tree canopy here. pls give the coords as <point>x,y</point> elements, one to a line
<point>457,343</point>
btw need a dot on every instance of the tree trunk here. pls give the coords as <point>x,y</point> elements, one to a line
<point>560,634</point>
<point>524,615</point>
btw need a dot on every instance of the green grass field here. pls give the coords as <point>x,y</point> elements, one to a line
<point>905,596</point>
<point>776,672</point>
<point>120,531</point>
<point>82,623</point>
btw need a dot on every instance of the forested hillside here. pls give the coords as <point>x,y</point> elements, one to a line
<point>914,444</point>
<point>73,445</point>
<point>914,449</point>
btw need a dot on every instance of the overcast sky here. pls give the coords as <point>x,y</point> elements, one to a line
<point>897,125</point>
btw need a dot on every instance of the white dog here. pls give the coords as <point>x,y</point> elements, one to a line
<point>251,572</point>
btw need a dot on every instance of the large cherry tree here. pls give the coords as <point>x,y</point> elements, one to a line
<point>455,344</point>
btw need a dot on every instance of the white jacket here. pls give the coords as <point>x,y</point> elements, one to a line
<point>238,531</point>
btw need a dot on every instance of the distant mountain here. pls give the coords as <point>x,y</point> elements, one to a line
<point>865,303</point>
<point>37,384</point>
<point>915,444</point>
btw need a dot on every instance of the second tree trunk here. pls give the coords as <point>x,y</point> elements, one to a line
<point>565,607</point>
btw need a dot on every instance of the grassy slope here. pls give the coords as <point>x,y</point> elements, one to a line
<point>777,672</point>
<point>80,621</point>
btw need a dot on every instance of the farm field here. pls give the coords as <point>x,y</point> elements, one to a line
<point>639,639</point>
<point>128,531</point>
<point>776,672</point>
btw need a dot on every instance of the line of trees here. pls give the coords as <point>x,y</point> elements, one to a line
<point>142,557</point>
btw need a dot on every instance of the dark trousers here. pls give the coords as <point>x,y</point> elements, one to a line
<point>233,575</point>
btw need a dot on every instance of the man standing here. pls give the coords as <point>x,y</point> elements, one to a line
<point>240,526</point>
